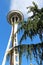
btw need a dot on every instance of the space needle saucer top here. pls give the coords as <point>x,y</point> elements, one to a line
<point>15,16</point>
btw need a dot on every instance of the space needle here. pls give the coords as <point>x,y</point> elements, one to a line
<point>14,17</point>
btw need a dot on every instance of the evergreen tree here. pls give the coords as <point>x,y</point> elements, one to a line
<point>32,27</point>
<point>34,24</point>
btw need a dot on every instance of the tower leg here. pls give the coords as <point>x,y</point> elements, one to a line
<point>4,59</point>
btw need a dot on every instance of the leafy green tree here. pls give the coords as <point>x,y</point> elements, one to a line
<point>33,26</point>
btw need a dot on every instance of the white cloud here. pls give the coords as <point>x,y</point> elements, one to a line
<point>22,4</point>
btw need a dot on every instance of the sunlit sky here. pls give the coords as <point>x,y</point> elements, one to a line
<point>5,27</point>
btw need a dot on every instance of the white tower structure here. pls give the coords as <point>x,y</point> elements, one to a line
<point>14,18</point>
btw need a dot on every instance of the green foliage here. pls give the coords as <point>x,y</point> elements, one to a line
<point>32,27</point>
<point>34,24</point>
<point>28,50</point>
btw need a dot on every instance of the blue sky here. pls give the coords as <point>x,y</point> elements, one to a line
<point>5,28</point>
